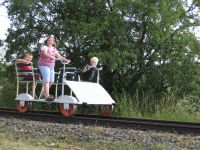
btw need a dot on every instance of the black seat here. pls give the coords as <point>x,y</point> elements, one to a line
<point>70,74</point>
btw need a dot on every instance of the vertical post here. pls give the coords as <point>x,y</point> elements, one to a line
<point>41,92</point>
<point>56,92</point>
<point>27,87</point>
<point>97,75</point>
<point>16,69</point>
<point>17,88</point>
<point>63,78</point>
<point>34,84</point>
<point>70,92</point>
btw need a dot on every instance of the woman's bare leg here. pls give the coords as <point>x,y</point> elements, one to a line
<point>46,89</point>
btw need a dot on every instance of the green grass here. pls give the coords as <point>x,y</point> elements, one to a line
<point>176,116</point>
<point>14,142</point>
<point>165,115</point>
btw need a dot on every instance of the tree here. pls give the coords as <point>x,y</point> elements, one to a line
<point>147,47</point>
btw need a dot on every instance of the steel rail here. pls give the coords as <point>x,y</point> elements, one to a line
<point>121,122</point>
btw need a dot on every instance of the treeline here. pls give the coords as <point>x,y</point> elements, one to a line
<point>149,52</point>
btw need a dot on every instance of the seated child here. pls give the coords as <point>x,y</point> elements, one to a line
<point>27,60</point>
<point>90,70</point>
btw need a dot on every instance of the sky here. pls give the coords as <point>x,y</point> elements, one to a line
<point>5,22</point>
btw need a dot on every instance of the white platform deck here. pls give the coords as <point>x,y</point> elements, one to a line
<point>90,93</point>
<point>85,93</point>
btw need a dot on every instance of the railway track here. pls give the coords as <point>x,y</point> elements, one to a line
<point>121,122</point>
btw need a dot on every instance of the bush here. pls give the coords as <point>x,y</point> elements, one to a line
<point>190,105</point>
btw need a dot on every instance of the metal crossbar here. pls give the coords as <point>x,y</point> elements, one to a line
<point>25,76</point>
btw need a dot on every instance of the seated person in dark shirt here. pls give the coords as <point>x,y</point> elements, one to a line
<point>90,71</point>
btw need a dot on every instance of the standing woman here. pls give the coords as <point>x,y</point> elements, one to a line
<point>46,63</point>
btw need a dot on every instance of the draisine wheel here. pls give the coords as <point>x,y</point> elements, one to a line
<point>71,110</point>
<point>22,108</point>
<point>105,110</point>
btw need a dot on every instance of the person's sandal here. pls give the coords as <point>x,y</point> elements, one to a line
<point>49,98</point>
<point>42,97</point>
<point>52,96</point>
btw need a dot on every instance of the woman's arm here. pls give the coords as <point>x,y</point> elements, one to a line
<point>59,57</point>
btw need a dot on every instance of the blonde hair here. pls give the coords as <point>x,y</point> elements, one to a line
<point>94,59</point>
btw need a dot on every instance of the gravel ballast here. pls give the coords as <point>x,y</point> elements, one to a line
<point>83,133</point>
